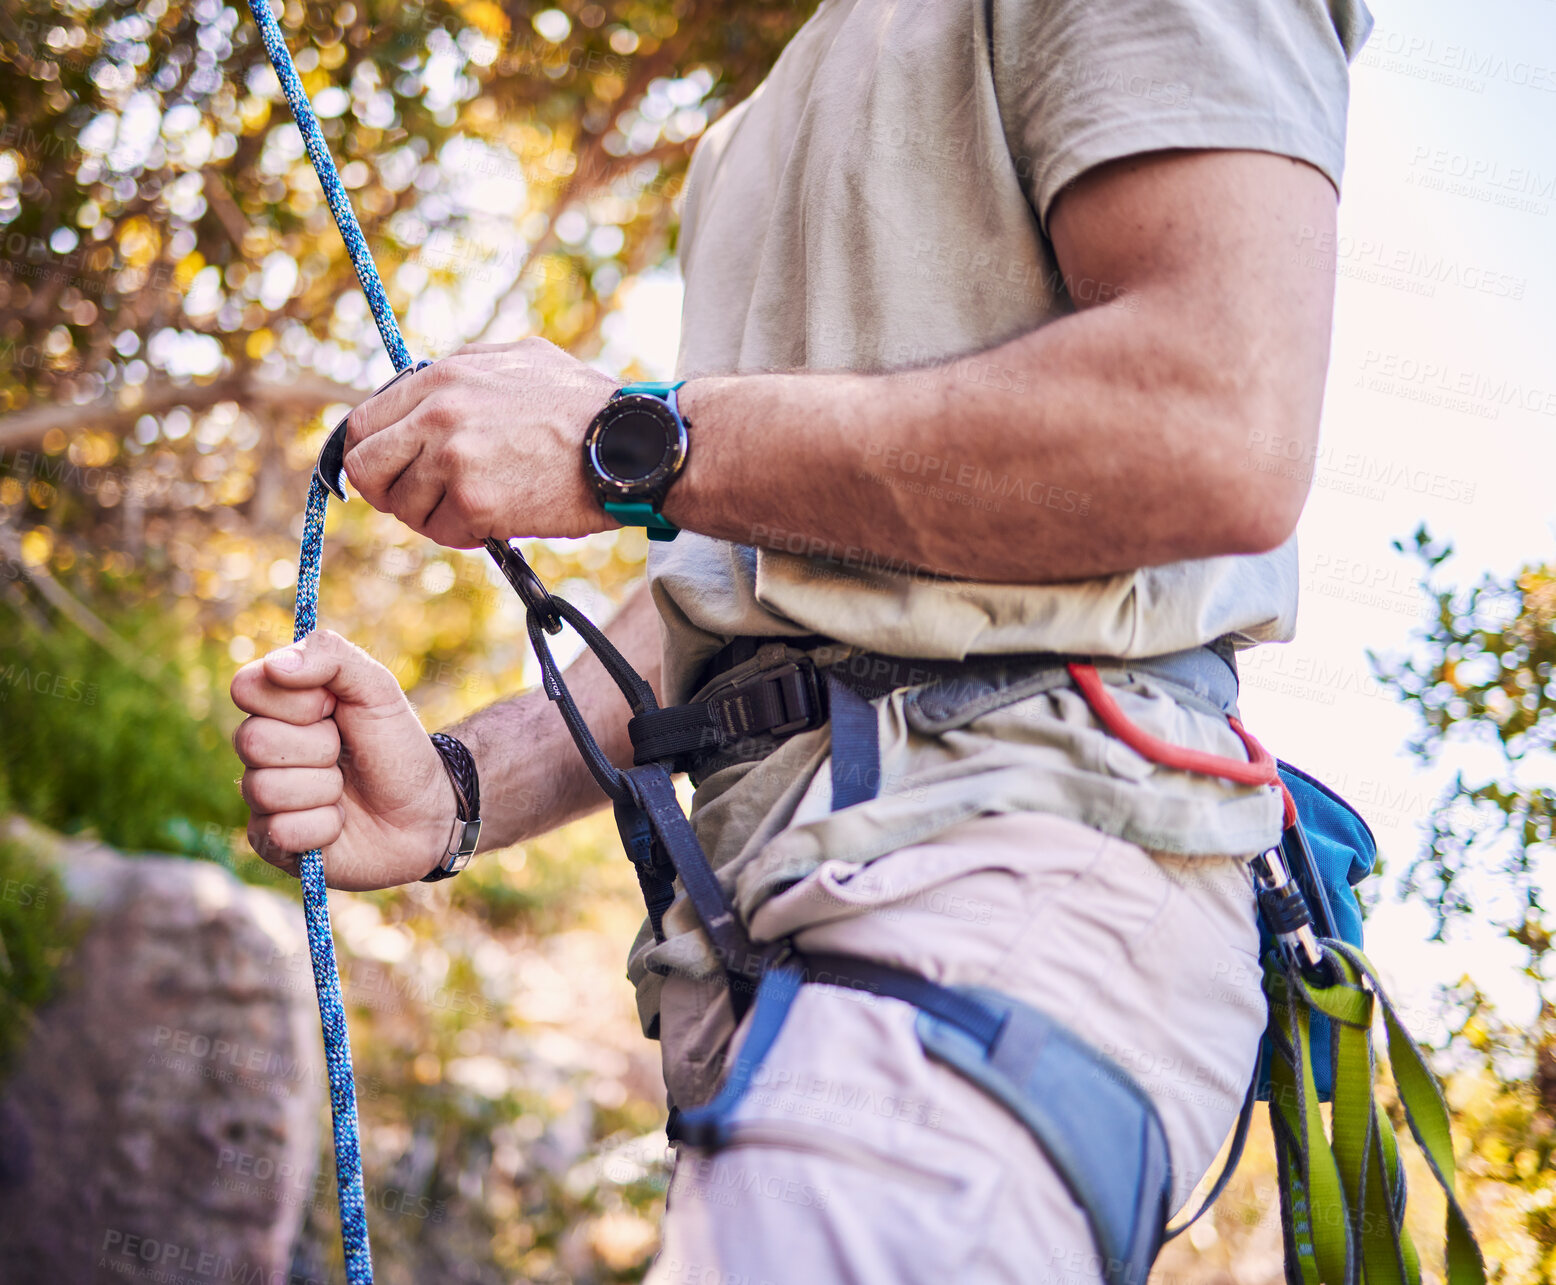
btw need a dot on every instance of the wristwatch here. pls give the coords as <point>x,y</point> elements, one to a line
<point>460,766</point>
<point>634,449</point>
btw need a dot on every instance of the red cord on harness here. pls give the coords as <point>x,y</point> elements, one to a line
<point>1260,769</point>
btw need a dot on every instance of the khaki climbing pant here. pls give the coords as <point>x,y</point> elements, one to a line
<point>856,1158</point>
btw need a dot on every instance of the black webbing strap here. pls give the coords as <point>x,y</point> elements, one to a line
<point>776,702</point>
<point>744,718</point>
<point>632,685</point>
<point>743,648</point>
<point>654,831</point>
<point>656,876</point>
<point>667,735</point>
<point>676,842</point>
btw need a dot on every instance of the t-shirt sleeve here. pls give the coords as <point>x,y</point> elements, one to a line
<point>1083,82</point>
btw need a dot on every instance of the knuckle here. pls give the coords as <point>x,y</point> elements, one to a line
<point>437,412</point>
<point>268,789</point>
<point>453,455</point>
<point>243,742</point>
<point>364,484</point>
<point>465,498</point>
<point>255,792</point>
<point>260,840</point>
<point>246,684</point>
<point>288,835</point>
<point>441,373</point>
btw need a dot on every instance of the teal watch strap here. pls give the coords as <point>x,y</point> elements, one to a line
<point>660,389</point>
<point>637,513</point>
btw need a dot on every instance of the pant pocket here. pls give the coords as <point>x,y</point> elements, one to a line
<point>950,908</point>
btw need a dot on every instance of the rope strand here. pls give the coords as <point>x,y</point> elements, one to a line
<point>321,949</point>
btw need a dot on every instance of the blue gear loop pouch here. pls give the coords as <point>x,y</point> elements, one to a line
<point>1344,852</point>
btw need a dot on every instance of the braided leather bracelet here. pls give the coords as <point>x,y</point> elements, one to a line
<point>459,763</point>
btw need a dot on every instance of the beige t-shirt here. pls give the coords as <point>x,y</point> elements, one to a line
<point>879,203</point>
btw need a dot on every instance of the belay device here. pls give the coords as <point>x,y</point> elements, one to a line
<point>1342,1195</point>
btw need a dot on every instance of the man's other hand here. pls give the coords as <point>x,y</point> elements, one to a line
<point>336,759</point>
<point>486,442</point>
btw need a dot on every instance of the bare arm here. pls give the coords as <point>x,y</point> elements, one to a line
<point>532,777</point>
<point>1141,403</point>
<point>1208,337</point>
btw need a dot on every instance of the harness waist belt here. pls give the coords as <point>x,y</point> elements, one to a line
<point>756,692</point>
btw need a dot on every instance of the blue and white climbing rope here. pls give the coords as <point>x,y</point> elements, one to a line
<point>321,942</point>
<point>321,948</point>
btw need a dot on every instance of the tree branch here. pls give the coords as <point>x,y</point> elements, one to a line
<point>227,211</point>
<point>592,171</point>
<point>302,393</point>
<point>78,614</point>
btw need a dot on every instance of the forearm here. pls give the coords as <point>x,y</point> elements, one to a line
<point>1082,449</point>
<point>532,777</point>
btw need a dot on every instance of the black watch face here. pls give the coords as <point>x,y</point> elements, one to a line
<point>635,445</point>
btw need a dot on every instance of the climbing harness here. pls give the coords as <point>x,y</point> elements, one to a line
<point>1342,1196</point>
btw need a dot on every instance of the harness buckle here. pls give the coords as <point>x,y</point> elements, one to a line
<point>801,697</point>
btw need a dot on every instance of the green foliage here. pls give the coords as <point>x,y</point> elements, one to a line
<point>178,316</point>
<point>88,743</point>
<point>1483,673</point>
<point>1503,1098</point>
<point>34,939</point>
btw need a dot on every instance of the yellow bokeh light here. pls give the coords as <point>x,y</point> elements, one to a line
<point>139,242</point>
<point>485,17</point>
<point>37,545</point>
<point>187,268</point>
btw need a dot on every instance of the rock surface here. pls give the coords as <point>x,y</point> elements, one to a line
<point>162,1121</point>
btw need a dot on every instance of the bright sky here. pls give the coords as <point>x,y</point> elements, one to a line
<point>1441,407</point>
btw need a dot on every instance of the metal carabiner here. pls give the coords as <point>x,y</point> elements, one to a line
<point>536,597</point>
<point>331,466</point>
<point>1289,920</point>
